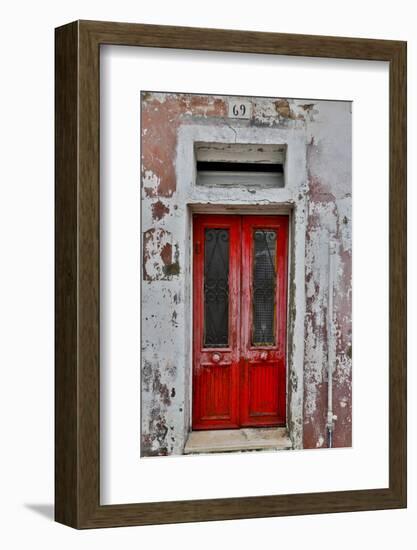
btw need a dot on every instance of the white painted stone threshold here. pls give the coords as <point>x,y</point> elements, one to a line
<point>245,439</point>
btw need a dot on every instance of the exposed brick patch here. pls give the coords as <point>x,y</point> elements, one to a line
<point>159,210</point>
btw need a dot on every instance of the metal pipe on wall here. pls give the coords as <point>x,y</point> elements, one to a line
<point>331,346</point>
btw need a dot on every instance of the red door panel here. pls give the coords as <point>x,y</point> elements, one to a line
<point>215,386</point>
<point>263,400</point>
<point>240,290</point>
<point>215,320</point>
<point>263,320</point>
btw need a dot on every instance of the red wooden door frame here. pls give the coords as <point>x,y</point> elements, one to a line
<point>241,384</point>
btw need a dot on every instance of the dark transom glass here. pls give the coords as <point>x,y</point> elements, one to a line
<point>216,288</point>
<point>263,287</point>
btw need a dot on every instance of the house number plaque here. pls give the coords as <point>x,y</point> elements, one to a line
<point>240,109</point>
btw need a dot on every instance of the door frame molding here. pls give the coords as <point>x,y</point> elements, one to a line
<point>291,200</point>
<point>295,303</point>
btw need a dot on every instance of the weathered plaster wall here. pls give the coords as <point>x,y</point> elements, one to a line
<point>329,216</point>
<point>317,190</point>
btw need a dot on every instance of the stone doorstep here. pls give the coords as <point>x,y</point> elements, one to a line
<point>246,439</point>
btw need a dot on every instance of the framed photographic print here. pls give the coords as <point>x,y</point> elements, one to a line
<point>230,274</point>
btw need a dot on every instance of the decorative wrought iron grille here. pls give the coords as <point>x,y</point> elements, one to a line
<point>263,287</point>
<point>216,288</point>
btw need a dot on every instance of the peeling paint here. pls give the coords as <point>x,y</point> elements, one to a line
<point>159,210</point>
<point>329,217</point>
<point>284,110</point>
<point>159,261</point>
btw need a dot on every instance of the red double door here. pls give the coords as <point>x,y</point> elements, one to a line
<point>239,321</point>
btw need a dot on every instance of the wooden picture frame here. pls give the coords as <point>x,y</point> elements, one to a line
<point>77,382</point>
